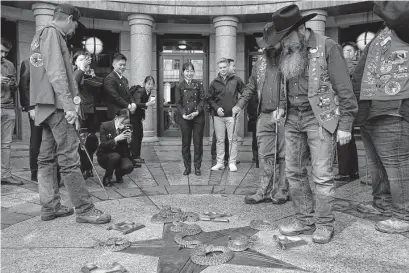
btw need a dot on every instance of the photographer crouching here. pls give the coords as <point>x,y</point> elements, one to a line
<point>114,151</point>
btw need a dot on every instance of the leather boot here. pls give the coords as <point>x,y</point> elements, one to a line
<point>296,228</point>
<point>322,235</point>
<point>256,198</point>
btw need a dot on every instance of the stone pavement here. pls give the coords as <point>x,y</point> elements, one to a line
<point>62,245</point>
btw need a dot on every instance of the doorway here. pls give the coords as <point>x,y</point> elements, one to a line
<point>174,52</point>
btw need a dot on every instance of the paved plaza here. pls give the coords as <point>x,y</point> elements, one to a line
<point>62,245</point>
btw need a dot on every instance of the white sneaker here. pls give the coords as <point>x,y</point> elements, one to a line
<point>233,167</point>
<point>218,166</point>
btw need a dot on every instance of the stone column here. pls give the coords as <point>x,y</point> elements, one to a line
<point>43,14</point>
<point>141,64</point>
<point>318,22</point>
<point>226,27</point>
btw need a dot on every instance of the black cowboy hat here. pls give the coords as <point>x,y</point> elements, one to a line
<point>286,20</point>
<point>267,39</point>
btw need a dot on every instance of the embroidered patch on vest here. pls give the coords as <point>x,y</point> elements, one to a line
<point>392,88</point>
<point>385,78</point>
<point>34,44</point>
<point>36,59</point>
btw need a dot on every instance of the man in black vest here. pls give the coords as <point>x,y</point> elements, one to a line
<point>116,89</point>
<point>321,107</point>
<point>384,116</point>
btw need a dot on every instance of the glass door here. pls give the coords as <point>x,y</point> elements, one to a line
<point>170,73</point>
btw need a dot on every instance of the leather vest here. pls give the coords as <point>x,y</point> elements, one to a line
<point>322,98</point>
<point>386,74</point>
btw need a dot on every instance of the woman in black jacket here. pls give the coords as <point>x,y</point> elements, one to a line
<point>143,99</point>
<point>190,107</point>
<point>89,124</point>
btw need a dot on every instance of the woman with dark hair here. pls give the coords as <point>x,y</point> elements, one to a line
<point>113,153</point>
<point>87,86</point>
<point>143,99</point>
<point>191,117</point>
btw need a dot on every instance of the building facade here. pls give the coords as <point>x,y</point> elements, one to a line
<point>157,37</point>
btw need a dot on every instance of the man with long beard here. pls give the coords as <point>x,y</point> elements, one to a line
<point>265,84</point>
<point>321,106</point>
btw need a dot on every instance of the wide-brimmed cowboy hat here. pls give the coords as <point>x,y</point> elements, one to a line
<point>267,39</point>
<point>286,20</point>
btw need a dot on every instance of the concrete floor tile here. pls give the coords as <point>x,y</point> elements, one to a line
<point>12,218</point>
<point>181,189</point>
<point>27,209</point>
<point>201,189</point>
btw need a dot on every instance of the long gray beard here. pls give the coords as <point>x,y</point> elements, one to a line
<point>293,64</point>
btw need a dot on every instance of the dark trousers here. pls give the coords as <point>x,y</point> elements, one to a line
<point>137,136</point>
<point>226,146</point>
<point>91,145</point>
<point>35,144</point>
<point>193,127</point>
<point>254,146</point>
<point>114,162</point>
<point>91,142</point>
<point>348,158</point>
<point>387,146</point>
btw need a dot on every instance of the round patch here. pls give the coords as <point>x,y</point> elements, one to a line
<point>385,78</point>
<point>313,50</point>
<point>392,88</point>
<point>76,100</point>
<point>336,100</point>
<point>385,68</point>
<point>36,60</point>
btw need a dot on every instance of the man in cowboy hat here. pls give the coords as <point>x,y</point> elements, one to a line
<point>265,83</point>
<point>381,82</point>
<point>320,106</point>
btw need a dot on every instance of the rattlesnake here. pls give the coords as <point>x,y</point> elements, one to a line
<point>113,244</point>
<point>185,230</point>
<point>169,215</point>
<point>241,243</point>
<point>198,255</point>
<point>261,225</point>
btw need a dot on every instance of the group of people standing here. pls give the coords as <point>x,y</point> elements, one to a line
<point>306,103</point>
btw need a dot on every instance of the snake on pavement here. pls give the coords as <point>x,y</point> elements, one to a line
<point>169,215</point>
<point>199,255</point>
<point>185,230</point>
<point>241,243</point>
<point>113,244</point>
<point>261,225</point>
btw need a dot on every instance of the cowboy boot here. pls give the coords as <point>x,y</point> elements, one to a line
<point>281,196</point>
<point>261,193</point>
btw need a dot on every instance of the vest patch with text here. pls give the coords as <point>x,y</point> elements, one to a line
<point>386,75</point>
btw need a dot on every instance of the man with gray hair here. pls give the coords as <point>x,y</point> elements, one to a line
<point>54,93</point>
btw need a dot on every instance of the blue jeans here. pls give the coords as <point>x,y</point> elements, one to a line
<point>60,140</point>
<point>302,142</point>
<point>8,118</point>
<point>387,142</point>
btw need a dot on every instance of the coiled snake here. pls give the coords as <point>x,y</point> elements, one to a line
<point>169,215</point>
<point>261,225</point>
<point>199,255</point>
<point>242,243</point>
<point>185,230</point>
<point>113,244</point>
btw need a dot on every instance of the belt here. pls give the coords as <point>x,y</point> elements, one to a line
<point>301,108</point>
